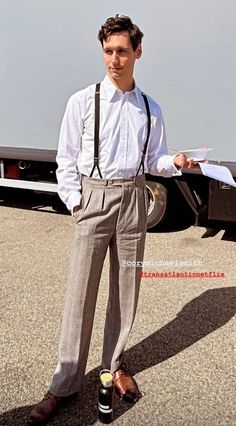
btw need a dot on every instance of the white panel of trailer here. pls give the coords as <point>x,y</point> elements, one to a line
<point>49,50</point>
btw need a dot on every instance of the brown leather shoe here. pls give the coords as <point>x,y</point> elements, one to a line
<point>44,410</point>
<point>125,386</point>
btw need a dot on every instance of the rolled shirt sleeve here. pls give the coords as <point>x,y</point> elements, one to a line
<point>69,183</point>
<point>158,160</point>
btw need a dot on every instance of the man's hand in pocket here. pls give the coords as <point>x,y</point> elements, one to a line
<point>75,210</point>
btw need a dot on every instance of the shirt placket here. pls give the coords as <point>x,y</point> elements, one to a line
<point>124,133</point>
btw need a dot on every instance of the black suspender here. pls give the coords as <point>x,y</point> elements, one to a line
<point>96,132</point>
<point>148,133</point>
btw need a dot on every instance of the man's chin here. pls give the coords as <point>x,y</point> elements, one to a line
<point>115,75</point>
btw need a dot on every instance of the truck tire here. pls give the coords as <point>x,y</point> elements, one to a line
<point>157,201</point>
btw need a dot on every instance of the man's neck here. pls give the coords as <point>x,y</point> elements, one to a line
<point>123,85</point>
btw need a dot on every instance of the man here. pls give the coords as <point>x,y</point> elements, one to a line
<point>102,183</point>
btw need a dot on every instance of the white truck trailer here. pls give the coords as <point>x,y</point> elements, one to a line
<point>49,50</point>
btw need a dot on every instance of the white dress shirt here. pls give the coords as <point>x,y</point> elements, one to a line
<point>123,131</point>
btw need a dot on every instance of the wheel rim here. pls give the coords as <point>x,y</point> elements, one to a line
<point>151,202</point>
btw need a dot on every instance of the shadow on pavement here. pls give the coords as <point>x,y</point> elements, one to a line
<point>31,200</point>
<point>229,232</point>
<point>80,410</point>
<point>198,318</point>
<point>177,219</point>
<point>229,235</point>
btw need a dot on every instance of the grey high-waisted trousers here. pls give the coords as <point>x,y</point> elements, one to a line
<point>113,214</point>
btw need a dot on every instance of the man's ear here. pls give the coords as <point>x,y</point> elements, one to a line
<point>138,51</point>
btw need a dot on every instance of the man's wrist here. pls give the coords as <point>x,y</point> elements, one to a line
<point>178,167</point>
<point>74,200</point>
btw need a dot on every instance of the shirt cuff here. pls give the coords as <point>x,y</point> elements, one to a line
<point>74,200</point>
<point>175,171</point>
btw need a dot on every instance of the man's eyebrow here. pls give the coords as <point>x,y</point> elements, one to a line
<point>116,48</point>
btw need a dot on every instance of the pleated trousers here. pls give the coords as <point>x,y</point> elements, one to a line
<point>113,215</point>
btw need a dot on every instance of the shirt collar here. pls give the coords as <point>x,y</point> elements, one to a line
<point>110,89</point>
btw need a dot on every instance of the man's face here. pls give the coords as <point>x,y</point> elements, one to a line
<point>119,56</point>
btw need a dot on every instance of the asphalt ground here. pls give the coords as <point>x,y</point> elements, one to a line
<point>182,346</point>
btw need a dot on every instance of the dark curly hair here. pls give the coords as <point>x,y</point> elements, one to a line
<point>116,25</point>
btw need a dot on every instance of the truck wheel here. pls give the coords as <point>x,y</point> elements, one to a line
<point>157,201</point>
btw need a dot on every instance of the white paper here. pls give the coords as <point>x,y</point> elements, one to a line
<point>220,173</point>
<point>197,154</point>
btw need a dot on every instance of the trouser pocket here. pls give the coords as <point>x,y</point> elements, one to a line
<point>85,200</point>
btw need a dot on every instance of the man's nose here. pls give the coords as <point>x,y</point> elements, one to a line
<point>115,57</point>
